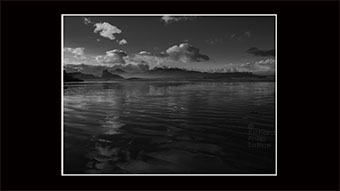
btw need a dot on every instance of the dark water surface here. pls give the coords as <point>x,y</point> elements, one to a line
<point>169,127</point>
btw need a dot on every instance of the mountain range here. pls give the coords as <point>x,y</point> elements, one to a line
<point>155,73</point>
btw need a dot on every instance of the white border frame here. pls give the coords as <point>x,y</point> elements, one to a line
<point>111,15</point>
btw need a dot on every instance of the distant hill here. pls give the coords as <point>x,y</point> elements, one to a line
<point>70,78</point>
<point>83,76</point>
<point>117,71</point>
<point>171,73</point>
<point>78,76</point>
<point>182,73</point>
<point>109,76</point>
<point>89,73</point>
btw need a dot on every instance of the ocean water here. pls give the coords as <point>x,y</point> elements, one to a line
<point>169,127</point>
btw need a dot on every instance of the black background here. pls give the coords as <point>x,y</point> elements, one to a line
<point>308,95</point>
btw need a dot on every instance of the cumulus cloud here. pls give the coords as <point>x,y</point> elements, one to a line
<point>106,30</point>
<point>67,60</point>
<point>174,56</point>
<point>112,57</point>
<point>132,67</point>
<point>152,60</point>
<point>185,53</point>
<point>87,21</point>
<point>118,59</point>
<point>76,52</point>
<point>257,52</point>
<point>122,42</point>
<point>170,19</point>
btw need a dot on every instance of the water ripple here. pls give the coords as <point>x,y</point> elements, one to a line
<point>168,127</point>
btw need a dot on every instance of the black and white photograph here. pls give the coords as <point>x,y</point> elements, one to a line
<point>169,94</point>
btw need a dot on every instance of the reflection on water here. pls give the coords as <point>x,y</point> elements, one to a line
<point>169,127</point>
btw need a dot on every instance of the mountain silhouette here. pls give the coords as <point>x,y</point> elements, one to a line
<point>70,78</point>
<point>109,76</point>
<point>109,73</point>
<point>83,76</point>
<point>118,71</point>
<point>182,73</point>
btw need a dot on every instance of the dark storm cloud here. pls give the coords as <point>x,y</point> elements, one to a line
<point>257,52</point>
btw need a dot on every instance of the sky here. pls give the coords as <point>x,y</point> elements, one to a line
<point>221,43</point>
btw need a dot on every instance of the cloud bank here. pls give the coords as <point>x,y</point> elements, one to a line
<point>77,53</point>
<point>112,57</point>
<point>264,66</point>
<point>176,55</point>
